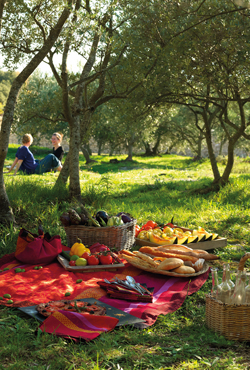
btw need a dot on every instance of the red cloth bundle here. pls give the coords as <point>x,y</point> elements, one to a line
<point>37,249</point>
<point>77,325</point>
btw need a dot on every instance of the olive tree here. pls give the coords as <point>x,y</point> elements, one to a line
<point>29,31</point>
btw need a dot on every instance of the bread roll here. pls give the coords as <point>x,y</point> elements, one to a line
<point>184,270</point>
<point>198,265</point>
<point>170,264</point>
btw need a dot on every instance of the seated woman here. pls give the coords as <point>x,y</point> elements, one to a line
<point>26,162</point>
<point>56,140</point>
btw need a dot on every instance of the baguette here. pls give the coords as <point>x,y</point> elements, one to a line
<point>157,253</point>
<point>125,252</point>
<point>146,258</point>
<point>138,262</point>
<point>188,252</point>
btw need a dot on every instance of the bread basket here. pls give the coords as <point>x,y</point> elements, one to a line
<point>230,320</point>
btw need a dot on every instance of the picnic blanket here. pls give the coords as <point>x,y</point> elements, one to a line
<point>53,281</point>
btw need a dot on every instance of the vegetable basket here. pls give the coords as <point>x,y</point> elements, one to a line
<point>230,320</point>
<point>115,237</point>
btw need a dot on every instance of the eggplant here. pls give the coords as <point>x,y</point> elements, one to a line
<point>102,216</point>
<point>126,217</point>
<point>65,219</point>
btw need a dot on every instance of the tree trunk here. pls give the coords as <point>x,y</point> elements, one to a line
<point>64,174</point>
<point>99,152</point>
<point>111,150</point>
<point>148,151</point>
<point>199,146</point>
<point>208,136</point>
<point>74,144</point>
<point>222,142</point>
<point>130,149</point>
<point>86,153</point>
<point>88,149</point>
<point>156,146</point>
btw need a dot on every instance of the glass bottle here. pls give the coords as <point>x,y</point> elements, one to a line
<point>215,282</point>
<point>247,292</point>
<point>231,283</point>
<point>224,290</point>
<point>239,294</point>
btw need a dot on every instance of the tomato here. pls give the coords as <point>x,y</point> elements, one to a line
<point>93,260</point>
<point>72,263</point>
<point>85,255</point>
<point>137,230</point>
<point>150,224</point>
<point>106,259</point>
<point>146,227</point>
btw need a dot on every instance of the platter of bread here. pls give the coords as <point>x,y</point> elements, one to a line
<point>171,260</point>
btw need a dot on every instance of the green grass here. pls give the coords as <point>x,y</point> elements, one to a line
<point>156,188</point>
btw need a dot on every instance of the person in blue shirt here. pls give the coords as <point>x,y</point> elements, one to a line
<point>26,162</point>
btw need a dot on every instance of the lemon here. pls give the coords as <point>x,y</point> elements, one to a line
<point>81,262</point>
<point>74,257</point>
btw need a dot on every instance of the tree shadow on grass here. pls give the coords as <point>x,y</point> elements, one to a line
<point>106,167</point>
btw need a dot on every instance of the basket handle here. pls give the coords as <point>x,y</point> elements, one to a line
<point>242,261</point>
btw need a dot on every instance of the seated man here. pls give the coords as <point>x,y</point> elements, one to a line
<point>26,162</point>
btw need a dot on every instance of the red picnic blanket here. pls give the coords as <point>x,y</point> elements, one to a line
<point>53,281</point>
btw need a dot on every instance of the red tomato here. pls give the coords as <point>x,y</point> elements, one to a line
<point>146,227</point>
<point>106,260</point>
<point>72,263</point>
<point>137,230</point>
<point>150,224</point>
<point>85,255</point>
<point>93,260</point>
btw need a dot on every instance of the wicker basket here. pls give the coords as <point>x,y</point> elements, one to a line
<point>115,237</point>
<point>230,320</point>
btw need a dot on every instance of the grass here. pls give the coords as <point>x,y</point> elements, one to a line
<point>156,188</point>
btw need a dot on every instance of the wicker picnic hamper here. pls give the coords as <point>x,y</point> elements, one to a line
<point>230,320</point>
<point>115,237</point>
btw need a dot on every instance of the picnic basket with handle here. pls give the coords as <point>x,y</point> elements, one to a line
<point>230,320</point>
<point>115,237</point>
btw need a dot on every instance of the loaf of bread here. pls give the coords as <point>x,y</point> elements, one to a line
<point>170,264</point>
<point>184,270</point>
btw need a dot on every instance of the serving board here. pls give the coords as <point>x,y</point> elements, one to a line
<point>169,273</point>
<point>65,263</point>
<point>124,318</point>
<point>206,245</point>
